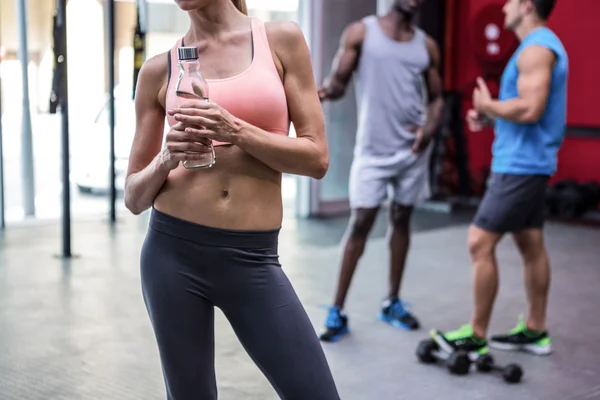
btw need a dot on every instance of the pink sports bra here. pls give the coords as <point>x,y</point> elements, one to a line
<point>256,95</point>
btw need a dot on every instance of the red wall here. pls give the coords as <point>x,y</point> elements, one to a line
<point>577,26</point>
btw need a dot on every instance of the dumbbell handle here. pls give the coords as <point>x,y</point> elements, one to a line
<point>498,368</point>
<point>502,368</point>
<point>493,367</point>
<point>440,355</point>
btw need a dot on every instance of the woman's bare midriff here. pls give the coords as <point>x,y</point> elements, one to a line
<point>238,192</point>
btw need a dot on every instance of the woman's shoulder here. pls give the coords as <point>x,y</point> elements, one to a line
<point>285,38</point>
<point>284,34</point>
<point>156,66</point>
<point>152,78</point>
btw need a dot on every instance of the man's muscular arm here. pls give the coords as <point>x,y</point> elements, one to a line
<point>433,81</point>
<point>435,109</point>
<point>535,66</point>
<point>344,62</point>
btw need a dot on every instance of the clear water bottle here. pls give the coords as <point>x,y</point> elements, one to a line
<point>191,85</point>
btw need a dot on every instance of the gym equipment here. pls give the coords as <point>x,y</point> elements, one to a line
<point>591,194</point>
<point>550,201</point>
<point>564,199</point>
<point>458,363</point>
<point>493,44</point>
<point>110,27</point>
<point>59,98</point>
<point>139,46</point>
<point>569,199</point>
<point>449,169</point>
<point>512,373</point>
<point>2,196</point>
<point>570,202</point>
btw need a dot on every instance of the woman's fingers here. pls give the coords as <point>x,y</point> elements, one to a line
<point>196,120</point>
<point>183,147</point>
<point>201,135</point>
<point>191,135</point>
<point>188,156</point>
<point>193,156</point>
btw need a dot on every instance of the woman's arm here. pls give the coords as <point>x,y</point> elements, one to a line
<point>307,154</point>
<point>146,173</point>
<point>149,167</point>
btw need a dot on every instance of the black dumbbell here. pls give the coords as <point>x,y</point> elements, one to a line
<point>458,363</point>
<point>591,194</point>
<point>512,373</point>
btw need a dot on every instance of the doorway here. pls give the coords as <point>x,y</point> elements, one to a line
<point>323,24</point>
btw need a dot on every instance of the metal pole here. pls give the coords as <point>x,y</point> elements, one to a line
<point>139,42</point>
<point>143,14</point>
<point>2,218</point>
<point>61,24</point>
<point>111,104</point>
<point>27,170</point>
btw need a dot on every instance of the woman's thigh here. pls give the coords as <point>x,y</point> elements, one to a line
<point>275,330</point>
<point>182,317</point>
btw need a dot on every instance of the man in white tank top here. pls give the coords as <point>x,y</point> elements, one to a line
<point>394,64</point>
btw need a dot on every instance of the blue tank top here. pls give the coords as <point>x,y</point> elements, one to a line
<point>531,149</point>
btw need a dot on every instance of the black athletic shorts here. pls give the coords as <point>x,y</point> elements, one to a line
<point>512,203</point>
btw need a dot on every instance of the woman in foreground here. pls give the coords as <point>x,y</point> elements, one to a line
<point>213,232</point>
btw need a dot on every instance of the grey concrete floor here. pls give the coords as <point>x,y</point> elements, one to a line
<point>79,330</point>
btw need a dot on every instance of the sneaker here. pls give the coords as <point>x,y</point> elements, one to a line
<point>522,339</point>
<point>461,339</point>
<point>336,325</point>
<point>394,313</point>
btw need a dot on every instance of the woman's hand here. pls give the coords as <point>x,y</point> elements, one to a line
<point>181,146</point>
<point>207,120</point>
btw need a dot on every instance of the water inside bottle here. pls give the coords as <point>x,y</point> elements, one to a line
<point>193,93</point>
<point>187,95</point>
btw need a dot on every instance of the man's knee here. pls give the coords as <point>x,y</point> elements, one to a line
<point>361,222</point>
<point>481,243</point>
<point>400,216</point>
<point>530,244</point>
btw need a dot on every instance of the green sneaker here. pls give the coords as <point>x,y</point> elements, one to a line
<point>522,339</point>
<point>460,339</point>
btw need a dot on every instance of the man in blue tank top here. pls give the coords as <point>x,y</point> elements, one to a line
<point>391,59</point>
<point>530,119</point>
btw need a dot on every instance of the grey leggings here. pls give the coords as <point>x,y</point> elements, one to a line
<point>187,270</point>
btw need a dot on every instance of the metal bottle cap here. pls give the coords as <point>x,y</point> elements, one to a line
<point>187,53</point>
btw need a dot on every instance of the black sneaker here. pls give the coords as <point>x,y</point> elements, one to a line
<point>522,339</point>
<point>336,326</point>
<point>393,312</point>
<point>461,339</point>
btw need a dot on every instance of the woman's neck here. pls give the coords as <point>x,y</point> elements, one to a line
<point>210,21</point>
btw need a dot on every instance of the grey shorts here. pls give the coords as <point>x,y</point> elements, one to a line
<point>512,203</point>
<point>402,178</point>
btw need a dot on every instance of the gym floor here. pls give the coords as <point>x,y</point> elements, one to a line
<point>79,329</point>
